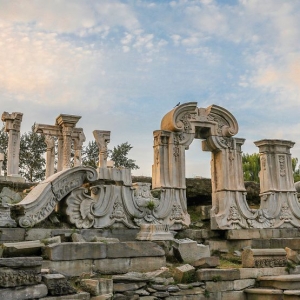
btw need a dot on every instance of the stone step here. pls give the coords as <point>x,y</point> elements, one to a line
<point>293,243</point>
<point>246,234</point>
<point>284,282</point>
<point>263,294</point>
<point>291,295</point>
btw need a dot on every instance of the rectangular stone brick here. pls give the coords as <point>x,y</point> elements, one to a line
<point>134,249</point>
<point>75,251</point>
<point>27,248</point>
<point>24,292</point>
<point>12,234</point>
<point>147,264</point>
<point>110,266</point>
<point>79,296</point>
<point>219,286</point>
<point>242,284</point>
<point>243,234</point>
<point>234,295</point>
<point>217,274</point>
<point>37,234</point>
<point>256,272</point>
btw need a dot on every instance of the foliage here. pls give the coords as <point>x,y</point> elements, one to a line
<point>119,156</point>
<point>296,172</point>
<point>32,161</point>
<point>3,146</point>
<point>251,167</point>
<point>90,155</point>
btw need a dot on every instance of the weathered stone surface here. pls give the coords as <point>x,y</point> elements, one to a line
<point>256,272</point>
<point>134,249</point>
<point>70,268</point>
<point>123,287</point>
<point>77,238</point>
<point>79,296</point>
<point>198,234</point>
<point>233,295</point>
<point>195,291</point>
<point>242,284</point>
<point>105,286</point>
<point>219,286</point>
<point>91,286</point>
<point>37,234</point>
<point>188,251</point>
<point>159,287</point>
<point>207,262</point>
<point>184,273</point>
<point>112,266</point>
<point>219,274</point>
<point>24,292</point>
<point>260,258</point>
<point>161,294</point>
<point>285,282</point>
<point>293,243</point>
<point>232,245</point>
<point>146,264</point>
<point>265,294</point>
<point>28,248</point>
<point>292,255</point>
<point>57,284</point>
<point>244,234</point>
<point>75,251</point>
<point>106,240</point>
<point>102,297</point>
<point>12,234</point>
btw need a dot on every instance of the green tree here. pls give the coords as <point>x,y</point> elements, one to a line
<point>296,171</point>
<point>90,155</point>
<point>119,156</point>
<point>251,166</point>
<point>3,147</point>
<point>32,161</point>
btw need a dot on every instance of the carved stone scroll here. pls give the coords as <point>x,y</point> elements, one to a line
<point>41,201</point>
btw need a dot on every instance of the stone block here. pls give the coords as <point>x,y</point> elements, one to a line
<point>219,286</point>
<point>284,282</point>
<point>102,297</point>
<point>291,295</point>
<point>79,296</point>
<point>233,295</point>
<point>207,262</point>
<point>265,294</point>
<point>217,274</point>
<point>241,284</point>
<point>293,243</point>
<point>292,255</point>
<point>20,271</point>
<point>184,273</point>
<point>111,266</point>
<point>75,251</point>
<point>28,248</point>
<point>91,286</point>
<point>57,284</point>
<point>256,272</point>
<point>231,245</point>
<point>134,249</point>
<point>12,234</point>
<point>263,258</point>
<point>204,211</point>
<point>70,268</point>
<point>120,287</point>
<point>105,286</point>
<point>37,234</point>
<point>242,234</point>
<point>196,293</point>
<point>106,240</point>
<point>146,264</point>
<point>24,292</point>
<point>77,238</point>
<point>188,251</point>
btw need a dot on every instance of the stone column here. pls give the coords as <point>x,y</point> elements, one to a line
<point>78,141</point>
<point>102,139</point>
<point>1,162</point>
<point>60,145</point>
<point>12,126</point>
<point>67,123</point>
<point>49,140</point>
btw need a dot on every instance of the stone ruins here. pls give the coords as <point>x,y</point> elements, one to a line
<point>130,230</point>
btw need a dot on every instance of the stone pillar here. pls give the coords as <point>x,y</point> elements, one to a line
<point>12,126</point>
<point>1,162</point>
<point>102,139</point>
<point>60,145</point>
<point>67,123</point>
<point>78,141</point>
<point>49,140</point>
<point>276,172</point>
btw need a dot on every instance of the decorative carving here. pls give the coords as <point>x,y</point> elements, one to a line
<point>12,278</point>
<point>270,262</point>
<point>281,159</point>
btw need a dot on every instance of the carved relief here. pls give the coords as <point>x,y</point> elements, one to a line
<point>281,159</point>
<point>13,278</point>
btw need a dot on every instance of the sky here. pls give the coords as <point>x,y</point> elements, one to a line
<point>122,65</point>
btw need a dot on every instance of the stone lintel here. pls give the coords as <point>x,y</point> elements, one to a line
<point>67,120</point>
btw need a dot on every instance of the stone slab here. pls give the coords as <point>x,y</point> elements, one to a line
<point>244,234</point>
<point>207,262</point>
<point>24,292</point>
<point>12,234</point>
<point>69,268</point>
<point>112,266</point>
<point>256,272</point>
<point>219,274</point>
<point>285,282</point>
<point>241,284</point>
<point>134,249</point>
<point>293,243</point>
<point>57,284</point>
<point>37,234</point>
<point>79,296</point>
<point>219,286</point>
<point>184,273</point>
<point>233,295</point>
<point>146,264</point>
<point>27,248</point>
<point>75,251</point>
<point>265,294</point>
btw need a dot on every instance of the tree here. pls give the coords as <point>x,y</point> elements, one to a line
<point>251,167</point>
<point>90,155</point>
<point>119,156</point>
<point>32,161</point>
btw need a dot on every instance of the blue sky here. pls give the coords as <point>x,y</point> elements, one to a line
<point>122,65</point>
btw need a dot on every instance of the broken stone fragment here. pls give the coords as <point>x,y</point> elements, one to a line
<point>184,273</point>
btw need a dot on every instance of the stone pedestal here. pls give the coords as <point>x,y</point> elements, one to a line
<point>154,232</point>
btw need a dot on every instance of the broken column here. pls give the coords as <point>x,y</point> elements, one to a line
<point>50,158</point>
<point>102,138</point>
<point>12,126</point>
